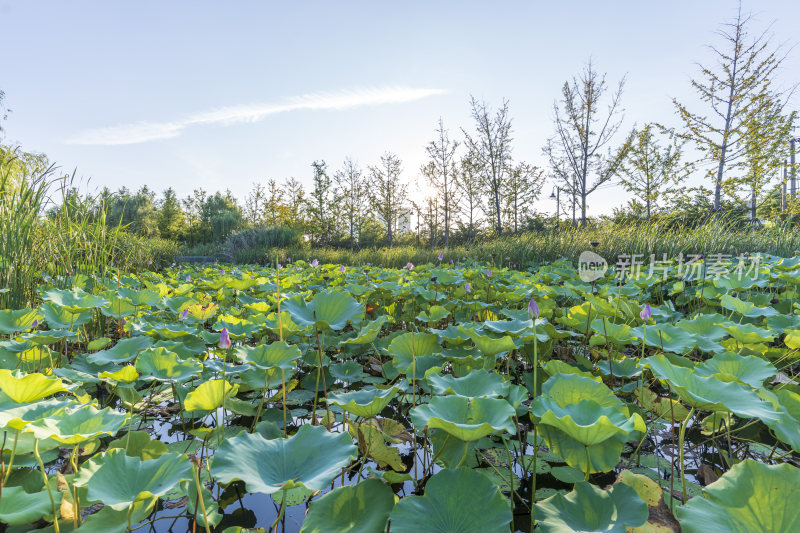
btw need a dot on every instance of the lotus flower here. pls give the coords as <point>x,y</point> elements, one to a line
<point>314,263</point>
<point>489,273</point>
<point>224,339</point>
<point>223,272</point>
<point>149,261</point>
<point>441,256</point>
<point>410,265</point>
<point>185,314</point>
<point>35,324</point>
<point>533,309</point>
<point>646,312</point>
<point>188,279</point>
<point>342,269</point>
<point>280,266</point>
<point>468,287</point>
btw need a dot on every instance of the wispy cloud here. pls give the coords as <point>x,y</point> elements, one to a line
<point>139,132</point>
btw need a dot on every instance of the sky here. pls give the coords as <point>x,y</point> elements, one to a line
<point>220,95</point>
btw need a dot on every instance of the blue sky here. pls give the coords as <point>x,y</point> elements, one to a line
<point>218,95</point>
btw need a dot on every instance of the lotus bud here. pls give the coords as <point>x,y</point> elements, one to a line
<point>35,324</point>
<point>646,312</point>
<point>185,314</point>
<point>149,262</point>
<point>224,339</point>
<point>489,273</point>
<point>188,279</point>
<point>468,287</point>
<point>410,265</point>
<point>314,263</point>
<point>441,256</point>
<point>533,309</point>
<point>223,272</point>
<point>342,269</point>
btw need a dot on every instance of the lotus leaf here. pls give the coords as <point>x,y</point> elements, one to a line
<point>327,310</point>
<point>588,508</point>
<point>276,355</point>
<point>365,403</point>
<point>78,424</point>
<point>360,508</point>
<point>467,419</point>
<point>119,480</point>
<point>455,501</point>
<point>750,498</point>
<point>209,395</point>
<point>18,508</point>
<point>163,365</point>
<point>267,466</point>
<point>15,321</point>
<point>25,388</point>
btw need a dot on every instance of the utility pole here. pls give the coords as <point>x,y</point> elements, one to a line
<point>784,200</point>
<point>793,170</point>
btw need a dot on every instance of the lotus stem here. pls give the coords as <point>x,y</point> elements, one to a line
<point>278,518</point>
<point>588,464</point>
<point>533,476</point>
<point>11,459</point>
<point>49,490</point>
<point>681,436</point>
<point>200,497</point>
<point>76,507</point>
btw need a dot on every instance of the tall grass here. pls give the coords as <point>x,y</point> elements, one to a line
<point>608,240</point>
<point>47,229</point>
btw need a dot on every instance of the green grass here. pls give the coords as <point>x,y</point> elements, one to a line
<point>536,248</point>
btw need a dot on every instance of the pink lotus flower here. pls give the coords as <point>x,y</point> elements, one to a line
<point>185,314</point>
<point>410,265</point>
<point>150,262</point>
<point>441,256</point>
<point>224,339</point>
<point>314,263</point>
<point>188,279</point>
<point>646,312</point>
<point>468,288</point>
<point>533,309</point>
<point>223,272</point>
<point>489,273</point>
<point>342,269</point>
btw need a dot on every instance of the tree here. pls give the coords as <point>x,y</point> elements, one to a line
<point>651,167</point>
<point>731,90</point>
<point>320,204</point>
<point>170,216</point>
<point>440,172</point>
<point>3,113</point>
<point>275,210</point>
<point>351,194</point>
<point>254,204</point>
<point>521,188</point>
<point>491,146</point>
<point>575,152</point>
<point>766,129</point>
<point>387,194</point>
<point>468,183</point>
<point>295,202</point>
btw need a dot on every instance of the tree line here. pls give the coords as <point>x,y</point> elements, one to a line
<point>737,137</point>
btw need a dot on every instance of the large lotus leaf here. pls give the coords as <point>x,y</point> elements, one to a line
<point>667,337</point>
<point>139,297</point>
<point>729,366</point>
<point>752,497</point>
<point>138,444</point>
<point>433,314</point>
<point>361,508</point>
<point>666,408</point>
<point>24,388</point>
<point>478,383</point>
<point>310,458</point>
<point>746,309</point>
<point>706,326</point>
<point>588,509</point>
<point>125,350</point>
<point>76,425</point>
<point>787,405</point>
<point>468,419</point>
<point>367,402</point>
<point>18,508</point>
<point>326,310</point>
<point>61,318</point>
<point>17,416</point>
<point>209,395</point>
<point>452,334</point>
<point>73,300</point>
<point>349,372</point>
<point>120,480</point>
<point>749,334</point>
<point>117,306</point>
<point>490,344</point>
<point>52,336</point>
<point>587,422</point>
<point>124,374</point>
<point>514,328</point>
<point>568,389</point>
<point>455,501</point>
<point>369,331</point>
<point>163,365</point>
<point>276,355</point>
<point>14,321</point>
<point>709,393</point>
<point>413,345</point>
<point>286,324</point>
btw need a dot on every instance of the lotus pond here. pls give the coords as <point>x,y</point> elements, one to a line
<point>436,398</point>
